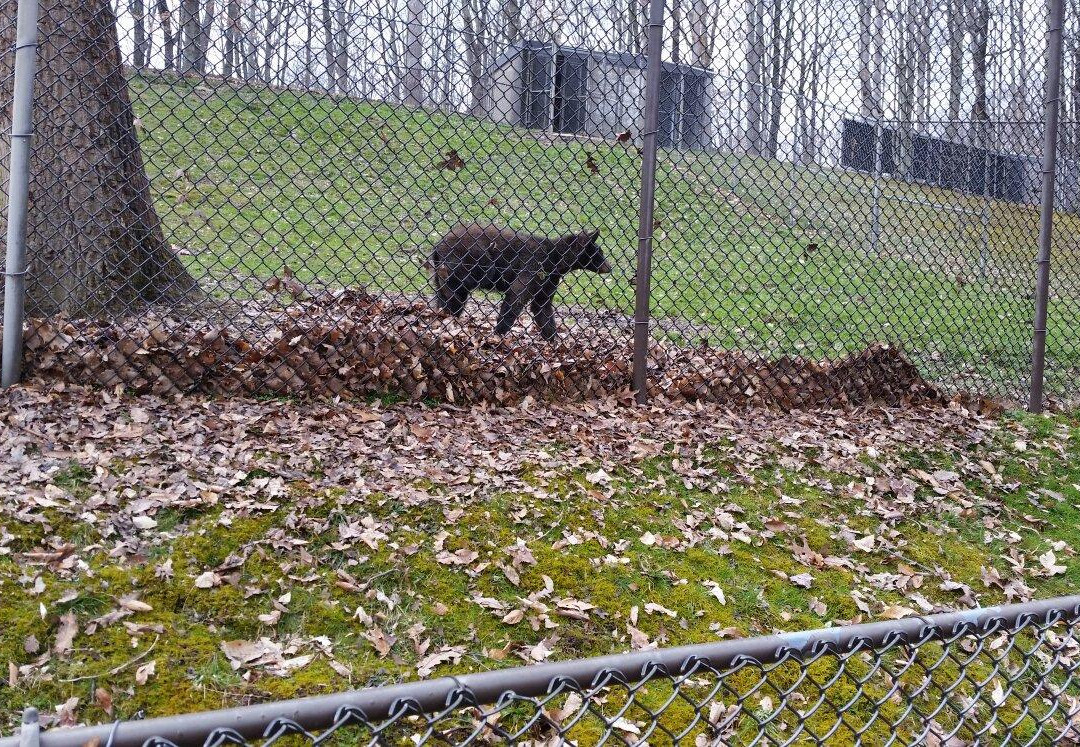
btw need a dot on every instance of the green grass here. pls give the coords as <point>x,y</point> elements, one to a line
<point>749,254</point>
<point>588,540</point>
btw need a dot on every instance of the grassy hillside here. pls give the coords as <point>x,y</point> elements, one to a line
<point>352,542</point>
<point>755,255</point>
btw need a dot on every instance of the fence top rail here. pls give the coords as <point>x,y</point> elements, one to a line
<point>483,688</point>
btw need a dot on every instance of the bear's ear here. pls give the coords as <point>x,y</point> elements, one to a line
<point>594,235</point>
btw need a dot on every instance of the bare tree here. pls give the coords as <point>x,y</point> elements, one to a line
<point>414,50</point>
<point>341,59</point>
<point>511,12</point>
<point>190,31</point>
<point>782,23</point>
<point>955,26</point>
<point>979,13</point>
<point>755,53</point>
<point>703,26</point>
<point>140,51</point>
<point>309,46</point>
<point>165,19</point>
<point>473,19</point>
<point>232,37</point>
<point>328,45</point>
<point>676,31</point>
<point>202,45</point>
<point>871,31</point>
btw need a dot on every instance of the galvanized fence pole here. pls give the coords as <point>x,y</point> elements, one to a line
<point>22,126</point>
<point>875,228</point>
<point>643,272</point>
<point>1046,215</point>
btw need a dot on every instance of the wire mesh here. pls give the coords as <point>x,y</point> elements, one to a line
<point>262,196</point>
<point>1006,679</point>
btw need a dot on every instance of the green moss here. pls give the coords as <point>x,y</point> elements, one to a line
<point>616,575</point>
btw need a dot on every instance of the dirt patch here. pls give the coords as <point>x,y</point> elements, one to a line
<point>348,342</point>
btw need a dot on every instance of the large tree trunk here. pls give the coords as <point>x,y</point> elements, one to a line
<point>94,240</point>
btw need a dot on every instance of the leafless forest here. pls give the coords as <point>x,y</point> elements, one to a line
<point>783,69</point>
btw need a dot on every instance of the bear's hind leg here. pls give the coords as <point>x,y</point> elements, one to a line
<point>512,304</point>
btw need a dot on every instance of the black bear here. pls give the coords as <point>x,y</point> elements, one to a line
<point>524,267</point>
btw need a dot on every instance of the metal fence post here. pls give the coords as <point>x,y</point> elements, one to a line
<point>643,273</point>
<point>22,126</point>
<point>1046,215</point>
<point>30,732</point>
<point>984,216</point>
<point>875,227</point>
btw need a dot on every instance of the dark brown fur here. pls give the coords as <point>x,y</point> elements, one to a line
<point>525,267</point>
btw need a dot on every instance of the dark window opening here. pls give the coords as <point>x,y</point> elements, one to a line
<point>693,125</point>
<point>571,78</point>
<point>671,97</point>
<point>536,101</point>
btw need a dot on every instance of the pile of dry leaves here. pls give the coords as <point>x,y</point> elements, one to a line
<point>349,342</point>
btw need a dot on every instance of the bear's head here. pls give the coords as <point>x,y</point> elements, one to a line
<point>587,254</point>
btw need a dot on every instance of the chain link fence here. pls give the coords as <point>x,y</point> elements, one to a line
<point>1003,676</point>
<point>445,199</point>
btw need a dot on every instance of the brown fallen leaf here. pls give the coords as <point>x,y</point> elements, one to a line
<point>897,612</point>
<point>638,639</point>
<point>802,580</point>
<point>103,700</point>
<point>380,640</point>
<point>207,580</point>
<point>135,605</point>
<point>447,655</point>
<point>145,672</point>
<point>452,162</point>
<point>65,634</point>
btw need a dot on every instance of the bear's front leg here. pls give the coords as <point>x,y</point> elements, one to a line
<point>542,308</point>
<point>517,295</point>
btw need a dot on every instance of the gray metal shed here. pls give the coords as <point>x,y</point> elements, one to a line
<point>597,94</point>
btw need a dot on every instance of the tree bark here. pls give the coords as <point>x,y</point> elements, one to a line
<point>755,47</point>
<point>165,17</point>
<point>414,51</point>
<point>511,11</point>
<point>702,28</point>
<point>980,33</point>
<point>676,31</point>
<point>206,27</point>
<point>474,56</point>
<point>328,44</point>
<point>94,240</point>
<point>138,19</point>
<point>191,31</point>
<point>232,35</point>
<point>955,29</point>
